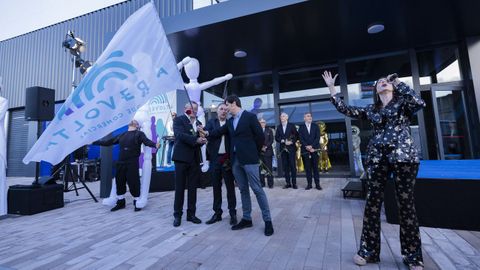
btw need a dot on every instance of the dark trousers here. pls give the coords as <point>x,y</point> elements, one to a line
<point>404,175</point>
<point>310,163</point>
<point>127,173</point>
<point>289,168</point>
<point>267,160</point>
<point>169,151</point>
<point>217,173</point>
<point>186,175</point>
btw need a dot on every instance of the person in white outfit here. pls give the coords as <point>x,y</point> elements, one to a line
<point>3,154</point>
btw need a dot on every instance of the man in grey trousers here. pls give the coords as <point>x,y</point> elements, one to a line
<point>246,141</point>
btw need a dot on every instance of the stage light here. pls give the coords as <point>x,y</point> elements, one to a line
<point>375,28</point>
<point>75,45</point>
<point>83,65</point>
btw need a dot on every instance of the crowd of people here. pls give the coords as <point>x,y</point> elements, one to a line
<point>240,151</point>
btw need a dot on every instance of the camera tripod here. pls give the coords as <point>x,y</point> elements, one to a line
<point>69,174</point>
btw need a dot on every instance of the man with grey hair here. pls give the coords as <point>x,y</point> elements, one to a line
<point>286,135</point>
<point>186,154</point>
<point>220,168</point>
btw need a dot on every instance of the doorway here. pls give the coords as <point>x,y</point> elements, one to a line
<point>323,111</point>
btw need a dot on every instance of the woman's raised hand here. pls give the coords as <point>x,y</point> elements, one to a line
<point>327,77</point>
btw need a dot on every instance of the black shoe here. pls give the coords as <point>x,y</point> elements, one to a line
<point>287,186</point>
<point>120,205</point>
<point>270,186</point>
<point>294,186</point>
<point>233,220</point>
<point>242,225</point>
<point>177,221</point>
<point>215,218</point>
<point>194,219</point>
<point>268,228</point>
<point>136,209</point>
<point>318,187</point>
<point>308,187</point>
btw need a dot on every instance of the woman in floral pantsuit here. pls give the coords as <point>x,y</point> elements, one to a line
<point>390,150</point>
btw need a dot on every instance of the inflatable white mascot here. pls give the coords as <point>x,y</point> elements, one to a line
<point>357,154</point>
<point>3,153</point>
<point>143,119</point>
<point>194,90</point>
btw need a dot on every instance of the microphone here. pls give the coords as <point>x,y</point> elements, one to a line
<point>392,77</point>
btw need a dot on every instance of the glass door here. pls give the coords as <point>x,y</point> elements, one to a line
<point>450,128</point>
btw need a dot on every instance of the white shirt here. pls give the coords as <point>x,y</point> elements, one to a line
<point>284,127</point>
<point>194,123</point>
<point>221,149</point>
<point>308,126</point>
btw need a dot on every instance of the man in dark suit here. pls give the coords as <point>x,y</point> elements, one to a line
<point>267,153</point>
<point>310,140</point>
<point>286,134</point>
<point>186,155</point>
<point>217,154</point>
<point>246,141</point>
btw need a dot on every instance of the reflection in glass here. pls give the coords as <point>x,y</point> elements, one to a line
<point>451,116</point>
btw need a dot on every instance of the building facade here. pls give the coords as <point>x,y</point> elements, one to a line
<point>288,45</point>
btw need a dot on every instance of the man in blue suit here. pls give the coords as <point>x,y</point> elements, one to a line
<point>310,140</point>
<point>246,141</point>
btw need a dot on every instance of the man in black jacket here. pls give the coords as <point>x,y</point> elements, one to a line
<point>286,135</point>
<point>217,154</point>
<point>186,155</point>
<point>267,153</point>
<point>246,140</point>
<point>127,163</point>
<point>310,140</point>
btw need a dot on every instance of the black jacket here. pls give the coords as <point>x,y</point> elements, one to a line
<point>186,148</point>
<point>214,142</point>
<point>130,143</point>
<point>312,139</point>
<point>268,133</point>
<point>391,125</point>
<point>290,134</point>
<point>246,140</point>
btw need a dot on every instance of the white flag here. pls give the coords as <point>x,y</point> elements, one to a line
<point>137,65</point>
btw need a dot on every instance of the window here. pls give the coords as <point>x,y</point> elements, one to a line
<point>438,65</point>
<point>255,93</point>
<point>304,83</point>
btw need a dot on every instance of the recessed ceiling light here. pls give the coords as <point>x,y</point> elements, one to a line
<point>240,53</point>
<point>375,28</point>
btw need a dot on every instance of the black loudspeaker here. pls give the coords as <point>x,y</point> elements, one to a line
<point>29,200</point>
<point>46,180</point>
<point>39,104</point>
